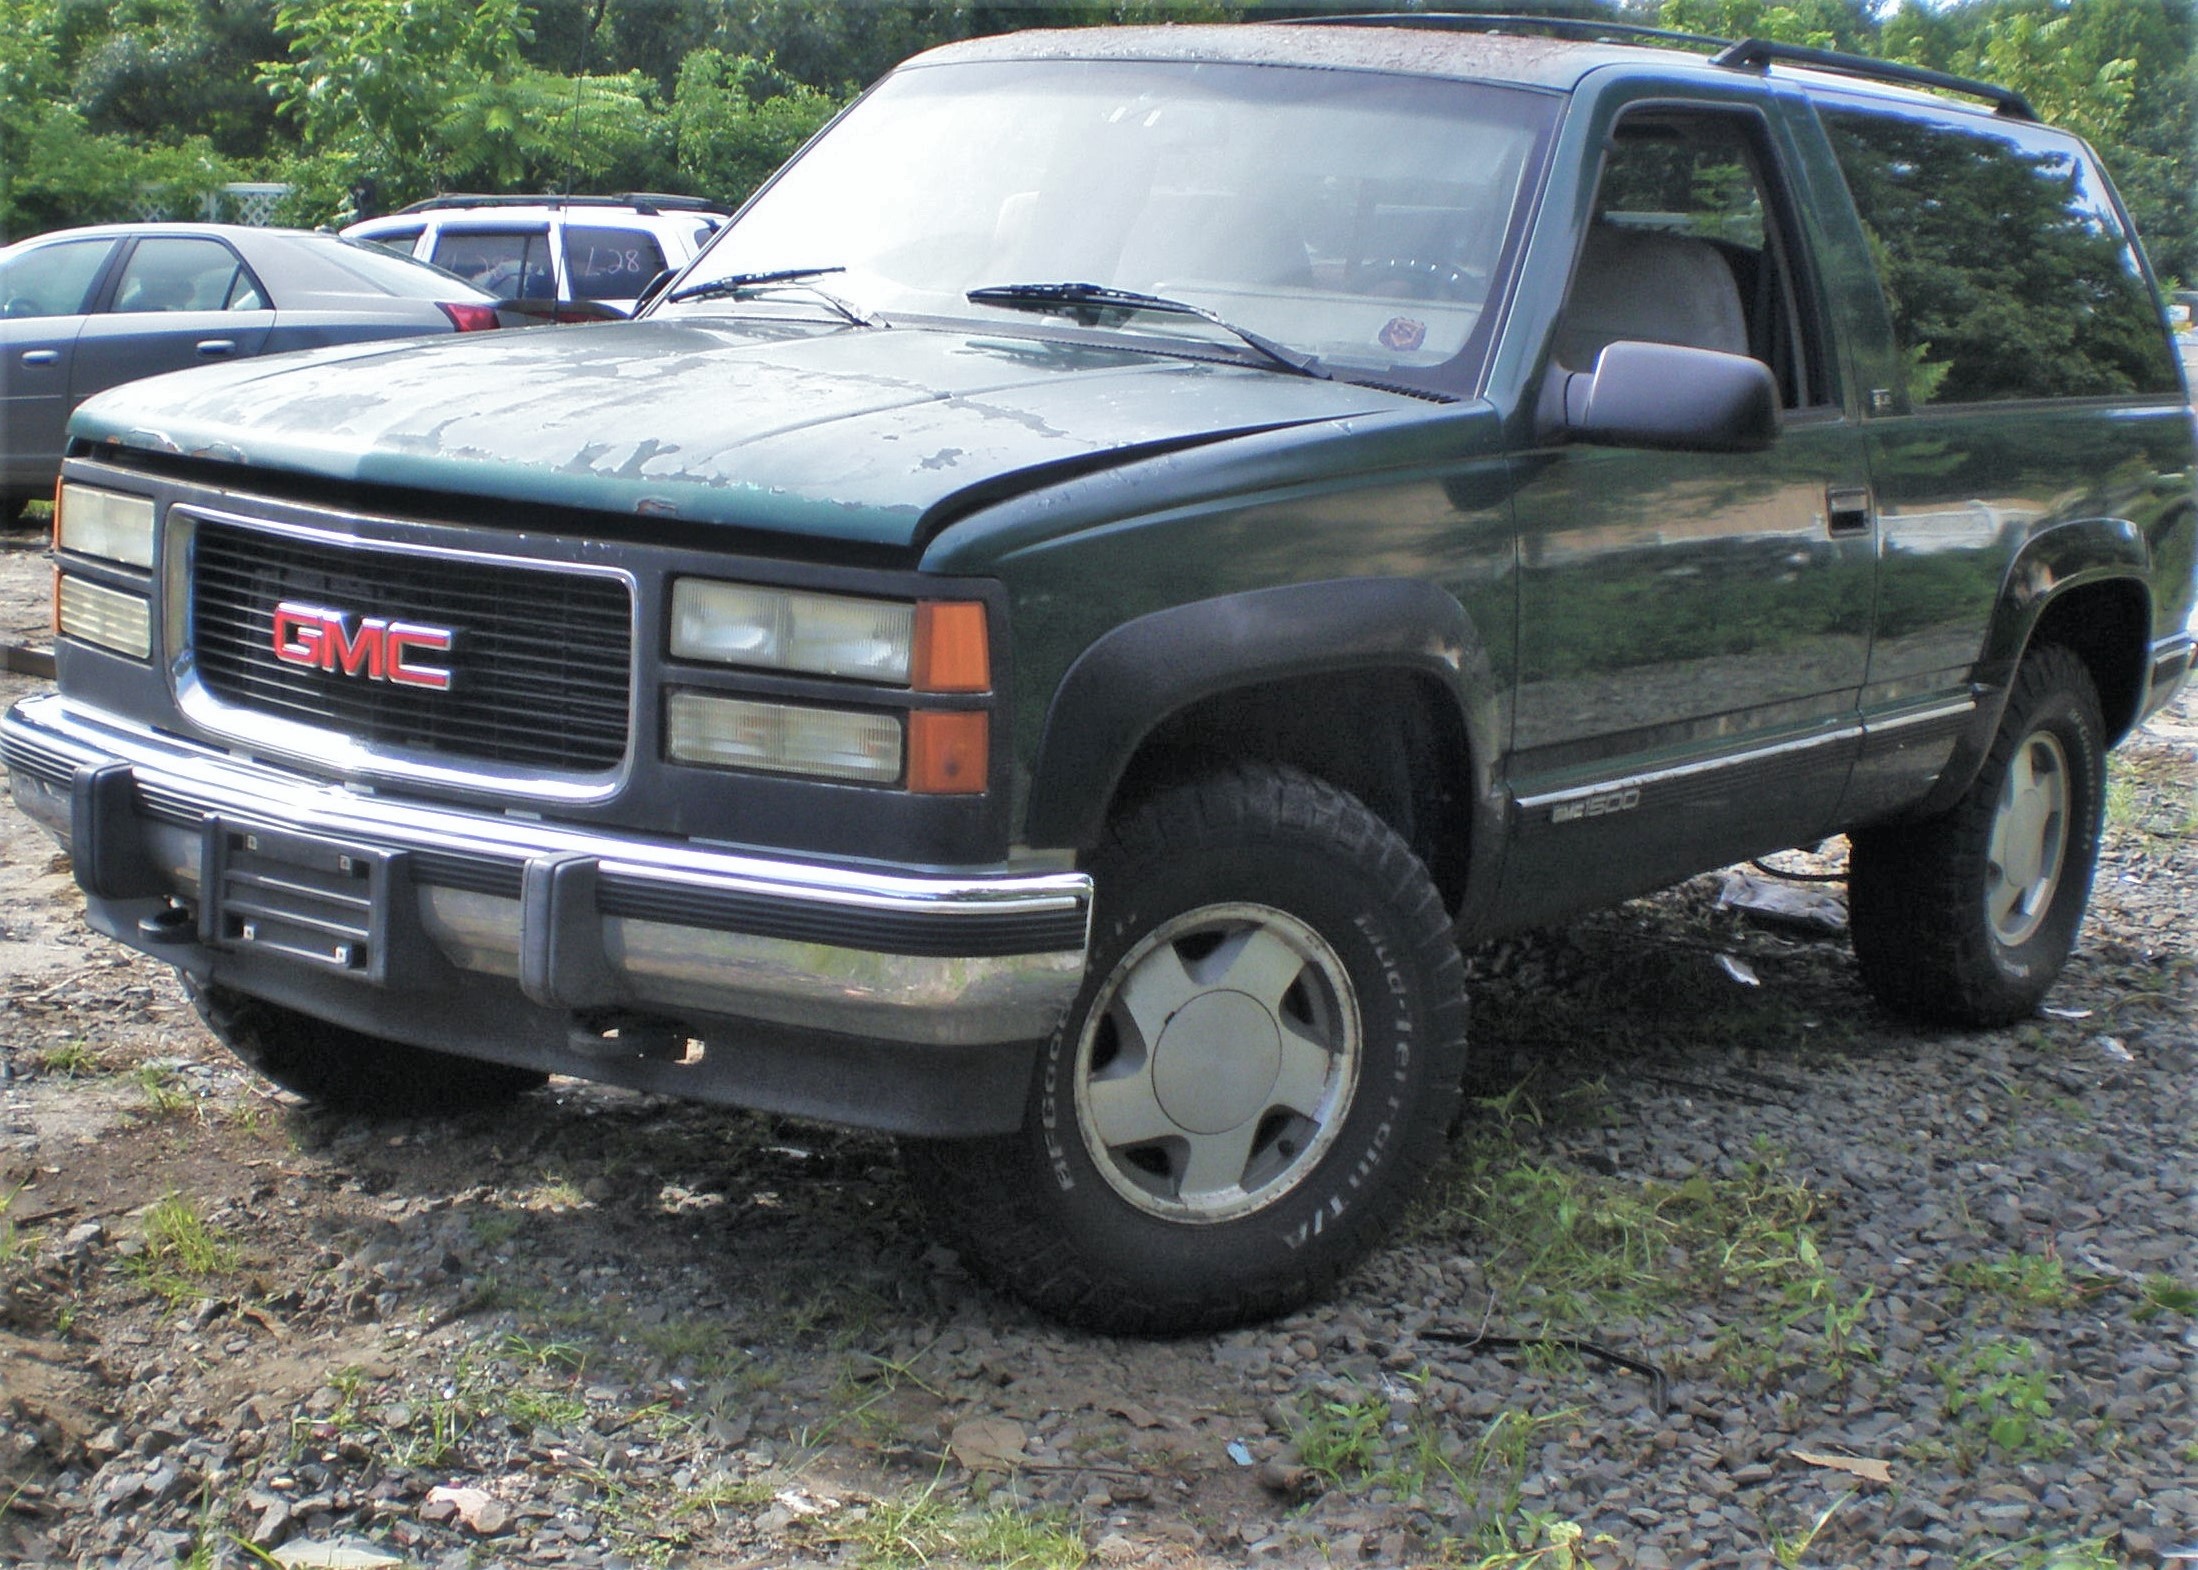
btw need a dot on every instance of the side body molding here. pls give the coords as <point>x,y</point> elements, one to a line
<point>1136,676</point>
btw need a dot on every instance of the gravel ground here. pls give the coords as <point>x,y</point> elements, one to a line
<point>1727,1268</point>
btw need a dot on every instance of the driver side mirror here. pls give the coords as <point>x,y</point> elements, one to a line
<point>1668,396</point>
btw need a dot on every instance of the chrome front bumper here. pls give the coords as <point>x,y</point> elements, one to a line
<point>581,920</point>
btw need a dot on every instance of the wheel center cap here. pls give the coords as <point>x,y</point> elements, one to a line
<point>1217,1062</point>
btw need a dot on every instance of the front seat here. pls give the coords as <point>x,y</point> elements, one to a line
<point>1649,286</point>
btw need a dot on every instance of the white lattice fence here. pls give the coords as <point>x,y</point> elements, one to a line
<point>245,202</point>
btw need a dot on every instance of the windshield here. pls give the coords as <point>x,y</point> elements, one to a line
<point>1357,218</point>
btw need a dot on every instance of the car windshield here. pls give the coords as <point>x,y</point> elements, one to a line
<point>1361,219</point>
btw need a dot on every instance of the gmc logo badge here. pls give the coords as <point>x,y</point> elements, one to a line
<point>378,649</point>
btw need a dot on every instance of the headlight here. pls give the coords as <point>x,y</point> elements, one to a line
<point>787,630</point>
<point>94,613</point>
<point>783,738</point>
<point>104,523</point>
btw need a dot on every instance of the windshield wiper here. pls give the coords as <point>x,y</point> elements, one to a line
<point>1092,303</point>
<point>733,285</point>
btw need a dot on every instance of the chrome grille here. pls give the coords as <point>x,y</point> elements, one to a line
<point>540,664</point>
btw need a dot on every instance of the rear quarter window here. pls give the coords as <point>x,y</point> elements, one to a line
<point>2005,262</point>
<point>607,263</point>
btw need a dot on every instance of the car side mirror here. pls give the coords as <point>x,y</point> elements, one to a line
<point>1664,395</point>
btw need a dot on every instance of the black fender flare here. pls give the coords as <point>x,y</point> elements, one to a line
<point>2051,565</point>
<point>1137,675</point>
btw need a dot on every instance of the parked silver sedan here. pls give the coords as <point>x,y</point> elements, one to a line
<point>84,309</point>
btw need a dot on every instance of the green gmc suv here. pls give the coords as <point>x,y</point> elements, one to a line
<point>1049,633</point>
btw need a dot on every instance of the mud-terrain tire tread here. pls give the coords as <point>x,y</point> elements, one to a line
<point>991,1197</point>
<point>1915,891</point>
<point>347,1070</point>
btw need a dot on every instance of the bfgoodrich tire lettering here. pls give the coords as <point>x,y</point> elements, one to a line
<point>348,1070</point>
<point>1259,1069</point>
<point>1967,919</point>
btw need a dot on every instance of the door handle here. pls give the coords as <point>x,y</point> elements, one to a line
<point>1847,509</point>
<point>41,356</point>
<point>215,348</point>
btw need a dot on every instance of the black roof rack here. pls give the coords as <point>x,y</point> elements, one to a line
<point>1506,22</point>
<point>647,203</point>
<point>1756,53</point>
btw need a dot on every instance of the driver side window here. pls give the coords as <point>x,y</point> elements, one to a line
<point>1688,247</point>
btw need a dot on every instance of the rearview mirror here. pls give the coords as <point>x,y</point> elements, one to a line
<point>1663,395</point>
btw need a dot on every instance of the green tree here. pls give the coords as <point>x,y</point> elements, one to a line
<point>169,69</point>
<point>736,119</point>
<point>56,171</point>
<point>424,95</point>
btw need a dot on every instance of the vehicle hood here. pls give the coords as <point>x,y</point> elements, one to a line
<point>847,433</point>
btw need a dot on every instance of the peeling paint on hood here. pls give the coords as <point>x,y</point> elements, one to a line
<point>765,424</point>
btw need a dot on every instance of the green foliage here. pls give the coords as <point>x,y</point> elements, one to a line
<point>1339,1438</point>
<point>1999,1401</point>
<point>183,1255</point>
<point>735,119</point>
<point>54,169</point>
<point>2028,1280</point>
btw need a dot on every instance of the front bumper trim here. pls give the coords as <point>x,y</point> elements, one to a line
<point>583,919</point>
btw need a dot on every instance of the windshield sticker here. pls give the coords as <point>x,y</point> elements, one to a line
<point>1403,334</point>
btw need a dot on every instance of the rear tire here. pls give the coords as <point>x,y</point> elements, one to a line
<point>347,1070</point>
<point>1967,919</point>
<point>1260,1068</point>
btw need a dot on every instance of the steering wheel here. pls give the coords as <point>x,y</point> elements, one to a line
<point>1415,278</point>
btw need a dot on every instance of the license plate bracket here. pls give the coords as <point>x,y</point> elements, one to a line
<point>343,908</point>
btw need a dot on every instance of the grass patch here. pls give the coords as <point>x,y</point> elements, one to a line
<point>1341,1440</point>
<point>163,1097</point>
<point>183,1255</point>
<point>1542,1543</point>
<point>2028,1280</point>
<point>2166,1295</point>
<point>1581,1245</point>
<point>920,1529</point>
<point>1999,1402</point>
<point>72,1059</point>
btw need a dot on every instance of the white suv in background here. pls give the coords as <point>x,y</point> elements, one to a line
<point>576,257</point>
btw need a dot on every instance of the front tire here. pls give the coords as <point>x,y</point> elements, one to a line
<point>1260,1067</point>
<point>347,1070</point>
<point>1968,919</point>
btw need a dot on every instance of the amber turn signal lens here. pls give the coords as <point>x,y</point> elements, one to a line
<point>952,654</point>
<point>948,754</point>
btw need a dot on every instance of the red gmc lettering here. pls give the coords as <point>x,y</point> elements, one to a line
<point>378,649</point>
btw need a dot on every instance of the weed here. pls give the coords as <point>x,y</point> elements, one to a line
<point>1339,1439</point>
<point>2121,798</point>
<point>556,1192</point>
<point>1582,1248</point>
<point>2000,1401</point>
<point>161,1092</point>
<point>2166,1295</point>
<point>743,1495</point>
<point>1547,1543</point>
<point>494,1228</point>
<point>13,1245</point>
<point>920,1529</point>
<point>182,1253</point>
<point>2032,1280</point>
<point>1789,1551</point>
<point>2035,1554</point>
<point>73,1059</point>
